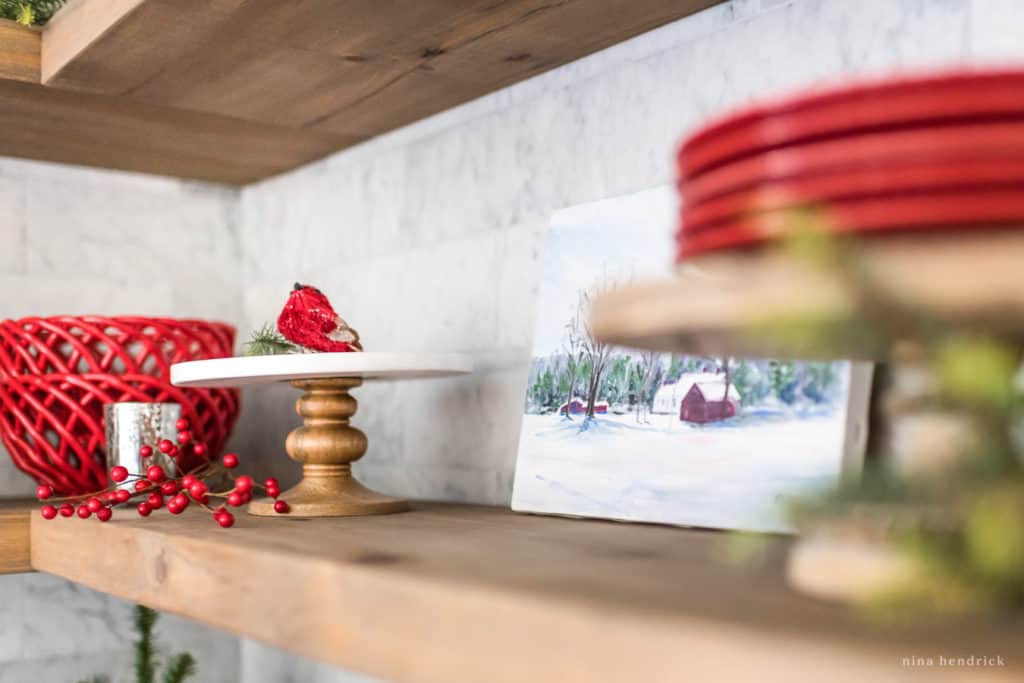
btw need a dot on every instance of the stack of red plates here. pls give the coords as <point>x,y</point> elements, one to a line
<point>942,152</point>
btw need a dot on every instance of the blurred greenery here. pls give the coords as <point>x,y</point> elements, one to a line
<point>962,527</point>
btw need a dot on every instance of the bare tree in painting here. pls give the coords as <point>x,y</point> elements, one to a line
<point>597,351</point>
<point>648,360</point>
<point>573,346</point>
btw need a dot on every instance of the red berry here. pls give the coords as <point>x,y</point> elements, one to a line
<point>273,491</point>
<point>48,511</point>
<point>104,514</point>
<point>230,460</point>
<point>197,489</point>
<point>155,474</point>
<point>108,497</point>
<point>144,509</point>
<point>122,496</point>
<point>141,485</point>
<point>243,484</point>
<point>247,497</point>
<point>94,504</point>
<point>43,492</point>
<point>199,449</point>
<point>146,451</point>
<point>225,519</point>
<point>67,509</point>
<point>184,437</point>
<point>271,483</point>
<point>204,499</point>
<point>182,424</point>
<point>155,500</point>
<point>188,480</point>
<point>83,511</point>
<point>165,446</point>
<point>180,501</point>
<point>169,487</point>
<point>173,508</point>
<point>280,507</point>
<point>235,499</point>
<point>119,473</point>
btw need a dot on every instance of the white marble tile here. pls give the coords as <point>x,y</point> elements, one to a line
<point>263,664</point>
<point>52,628</point>
<point>12,223</point>
<point>995,32</point>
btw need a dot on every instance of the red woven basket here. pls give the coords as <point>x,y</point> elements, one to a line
<point>57,373</point>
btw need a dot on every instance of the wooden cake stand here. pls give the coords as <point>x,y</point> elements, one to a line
<point>326,444</point>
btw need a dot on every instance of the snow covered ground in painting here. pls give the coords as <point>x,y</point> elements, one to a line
<point>730,474</point>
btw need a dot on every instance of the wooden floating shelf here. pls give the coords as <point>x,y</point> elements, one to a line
<point>450,593</point>
<point>15,516</point>
<point>721,303</point>
<point>235,92</point>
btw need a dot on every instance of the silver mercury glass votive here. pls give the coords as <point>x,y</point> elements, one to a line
<point>130,425</point>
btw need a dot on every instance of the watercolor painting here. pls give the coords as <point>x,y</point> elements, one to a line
<point>656,437</point>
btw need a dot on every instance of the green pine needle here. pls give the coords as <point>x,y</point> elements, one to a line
<point>180,667</point>
<point>145,650</point>
<point>267,341</point>
<point>29,12</point>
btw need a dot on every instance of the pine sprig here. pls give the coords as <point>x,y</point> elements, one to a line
<point>267,341</point>
<point>180,667</point>
<point>29,12</point>
<point>145,650</point>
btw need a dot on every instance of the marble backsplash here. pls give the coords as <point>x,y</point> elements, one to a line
<point>431,237</point>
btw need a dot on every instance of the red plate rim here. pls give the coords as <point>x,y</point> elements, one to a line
<point>930,211</point>
<point>857,183</point>
<point>869,105</point>
<point>948,144</point>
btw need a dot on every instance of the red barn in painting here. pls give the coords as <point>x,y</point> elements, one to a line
<point>577,406</point>
<point>708,402</point>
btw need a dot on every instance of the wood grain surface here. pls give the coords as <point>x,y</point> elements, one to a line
<point>19,52</point>
<point>450,593</point>
<point>14,535</point>
<point>203,86</point>
<point>43,123</point>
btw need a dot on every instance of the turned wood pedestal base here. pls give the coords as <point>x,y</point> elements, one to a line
<point>326,445</point>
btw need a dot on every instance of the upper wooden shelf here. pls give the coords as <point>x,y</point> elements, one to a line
<point>451,593</point>
<point>237,91</point>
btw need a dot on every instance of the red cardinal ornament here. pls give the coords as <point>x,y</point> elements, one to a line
<point>309,321</point>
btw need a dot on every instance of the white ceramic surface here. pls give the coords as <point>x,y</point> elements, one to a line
<point>243,370</point>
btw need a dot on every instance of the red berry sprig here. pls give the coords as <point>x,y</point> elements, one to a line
<point>154,489</point>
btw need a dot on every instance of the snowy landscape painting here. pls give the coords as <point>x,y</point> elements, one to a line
<point>712,441</point>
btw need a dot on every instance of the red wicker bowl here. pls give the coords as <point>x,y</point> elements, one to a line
<point>57,373</point>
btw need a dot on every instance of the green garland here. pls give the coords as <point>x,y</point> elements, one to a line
<point>267,341</point>
<point>179,667</point>
<point>29,12</point>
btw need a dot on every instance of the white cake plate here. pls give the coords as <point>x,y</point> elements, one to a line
<point>326,444</point>
<point>243,370</point>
